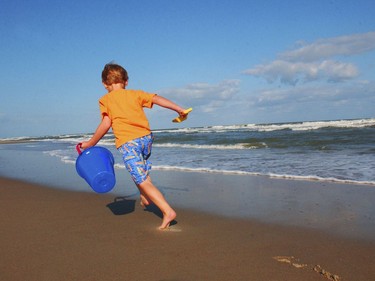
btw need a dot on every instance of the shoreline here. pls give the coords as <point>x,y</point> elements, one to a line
<point>342,209</point>
<point>271,176</point>
<point>50,234</point>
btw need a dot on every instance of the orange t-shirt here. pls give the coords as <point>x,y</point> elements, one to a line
<point>125,109</point>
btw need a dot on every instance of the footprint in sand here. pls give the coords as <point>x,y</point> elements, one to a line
<point>317,268</point>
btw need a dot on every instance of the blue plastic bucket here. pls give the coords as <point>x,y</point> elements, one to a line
<point>95,165</point>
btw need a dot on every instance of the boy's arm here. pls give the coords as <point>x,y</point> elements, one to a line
<point>99,133</point>
<point>163,102</point>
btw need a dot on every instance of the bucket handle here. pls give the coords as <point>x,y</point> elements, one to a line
<point>78,148</point>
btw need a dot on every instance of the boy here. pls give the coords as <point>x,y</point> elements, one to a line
<point>122,110</point>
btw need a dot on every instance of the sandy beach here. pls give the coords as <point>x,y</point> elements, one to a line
<point>52,234</point>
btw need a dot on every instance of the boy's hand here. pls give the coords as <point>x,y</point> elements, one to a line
<point>85,145</point>
<point>182,112</point>
<point>182,115</point>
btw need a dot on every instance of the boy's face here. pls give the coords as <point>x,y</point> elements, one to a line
<point>106,86</point>
<point>117,86</point>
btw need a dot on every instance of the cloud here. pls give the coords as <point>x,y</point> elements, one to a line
<point>357,92</point>
<point>325,48</point>
<point>294,72</point>
<point>209,97</point>
<point>314,62</point>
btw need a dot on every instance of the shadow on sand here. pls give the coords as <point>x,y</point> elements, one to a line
<point>124,205</point>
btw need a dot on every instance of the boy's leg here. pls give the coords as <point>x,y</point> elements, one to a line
<point>147,188</point>
<point>144,200</point>
<point>135,156</point>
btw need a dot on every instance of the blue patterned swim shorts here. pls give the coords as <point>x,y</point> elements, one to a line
<point>135,154</point>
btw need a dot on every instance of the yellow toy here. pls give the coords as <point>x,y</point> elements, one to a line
<point>183,116</point>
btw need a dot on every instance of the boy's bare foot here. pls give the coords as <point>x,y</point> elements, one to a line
<point>167,219</point>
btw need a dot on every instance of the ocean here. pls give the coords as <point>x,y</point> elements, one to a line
<point>337,151</point>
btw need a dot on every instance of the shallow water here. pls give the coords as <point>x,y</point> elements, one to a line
<point>340,151</point>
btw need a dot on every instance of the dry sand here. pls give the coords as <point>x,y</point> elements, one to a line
<point>50,234</point>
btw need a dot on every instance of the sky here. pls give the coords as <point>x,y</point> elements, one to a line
<point>234,62</point>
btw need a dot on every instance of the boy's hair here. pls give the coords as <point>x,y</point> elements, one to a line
<point>113,74</point>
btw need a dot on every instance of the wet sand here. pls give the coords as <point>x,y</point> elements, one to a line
<point>52,234</point>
